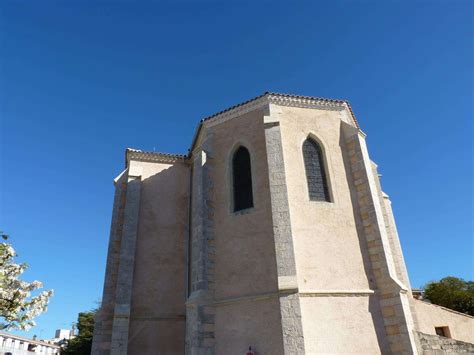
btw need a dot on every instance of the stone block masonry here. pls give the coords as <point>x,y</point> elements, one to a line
<point>104,317</point>
<point>200,312</point>
<point>393,297</point>
<point>292,328</point>
<point>436,345</point>
<point>303,271</point>
<point>123,294</point>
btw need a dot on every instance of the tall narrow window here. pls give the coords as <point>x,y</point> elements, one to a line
<point>242,179</point>
<point>315,171</point>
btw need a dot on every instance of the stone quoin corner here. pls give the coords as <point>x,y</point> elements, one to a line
<point>273,232</point>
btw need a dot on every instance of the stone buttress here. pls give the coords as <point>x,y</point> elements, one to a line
<point>200,312</point>
<point>392,292</point>
<point>188,271</point>
<point>113,318</point>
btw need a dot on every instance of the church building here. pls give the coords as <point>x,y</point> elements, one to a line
<point>273,233</point>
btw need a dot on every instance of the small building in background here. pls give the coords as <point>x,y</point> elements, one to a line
<point>417,293</point>
<point>17,345</point>
<point>64,334</point>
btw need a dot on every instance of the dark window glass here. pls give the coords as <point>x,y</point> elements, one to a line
<point>315,172</point>
<point>242,179</point>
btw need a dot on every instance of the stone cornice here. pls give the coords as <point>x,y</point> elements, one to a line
<point>336,293</point>
<point>305,101</point>
<point>153,157</point>
<point>262,101</point>
<point>236,111</point>
<point>279,293</point>
<point>281,100</point>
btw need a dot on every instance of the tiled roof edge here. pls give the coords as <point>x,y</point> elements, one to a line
<point>271,97</point>
<point>277,98</point>
<point>302,98</point>
<point>156,157</point>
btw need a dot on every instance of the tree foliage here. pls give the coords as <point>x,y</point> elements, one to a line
<point>452,292</point>
<point>18,307</point>
<point>82,343</point>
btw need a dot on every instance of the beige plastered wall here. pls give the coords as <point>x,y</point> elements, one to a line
<point>330,253</point>
<point>245,265</point>
<point>428,316</point>
<point>158,315</point>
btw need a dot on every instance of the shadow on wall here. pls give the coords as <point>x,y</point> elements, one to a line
<point>374,306</point>
<point>159,292</point>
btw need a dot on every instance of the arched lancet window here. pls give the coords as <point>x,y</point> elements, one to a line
<point>315,171</point>
<point>242,179</point>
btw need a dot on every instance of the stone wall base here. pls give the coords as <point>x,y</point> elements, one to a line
<point>430,344</point>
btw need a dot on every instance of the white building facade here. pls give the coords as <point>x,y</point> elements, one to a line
<point>16,345</point>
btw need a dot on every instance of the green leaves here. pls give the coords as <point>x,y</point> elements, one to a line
<point>82,343</point>
<point>453,293</point>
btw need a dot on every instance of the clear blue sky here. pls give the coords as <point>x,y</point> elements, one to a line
<point>81,81</point>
